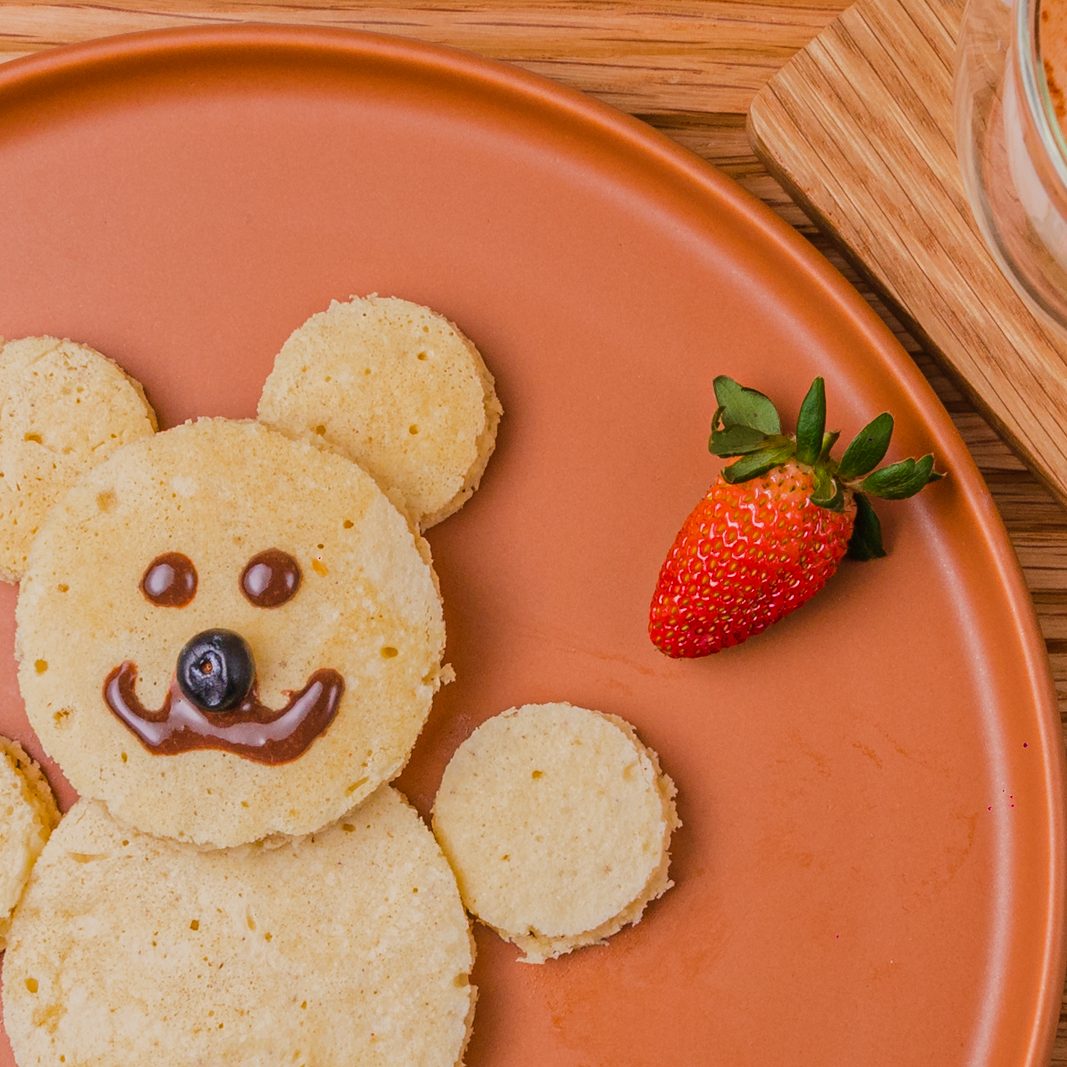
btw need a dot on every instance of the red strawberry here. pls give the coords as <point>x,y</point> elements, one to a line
<point>773,528</point>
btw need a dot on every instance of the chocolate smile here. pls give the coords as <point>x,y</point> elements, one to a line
<point>249,729</point>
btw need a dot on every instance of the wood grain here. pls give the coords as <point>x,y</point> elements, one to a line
<point>690,68</point>
<point>860,125</point>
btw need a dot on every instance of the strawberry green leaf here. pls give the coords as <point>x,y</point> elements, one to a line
<point>901,480</point>
<point>827,493</point>
<point>757,463</point>
<point>811,423</point>
<point>735,440</point>
<point>866,540</point>
<point>868,448</point>
<point>745,407</point>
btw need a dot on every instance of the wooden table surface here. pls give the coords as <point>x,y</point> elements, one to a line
<point>688,67</point>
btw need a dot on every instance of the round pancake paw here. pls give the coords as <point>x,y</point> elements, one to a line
<point>557,821</point>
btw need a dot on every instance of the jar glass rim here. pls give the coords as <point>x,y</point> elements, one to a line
<point>1035,86</point>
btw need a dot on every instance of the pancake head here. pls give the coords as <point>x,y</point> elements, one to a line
<point>220,525</point>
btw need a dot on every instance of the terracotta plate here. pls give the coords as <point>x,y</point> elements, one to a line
<point>871,867</point>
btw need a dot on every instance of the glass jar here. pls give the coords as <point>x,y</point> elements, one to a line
<point>1011,148</point>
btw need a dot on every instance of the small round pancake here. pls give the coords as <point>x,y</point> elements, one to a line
<point>28,814</point>
<point>397,388</point>
<point>222,492</point>
<point>557,821</point>
<point>347,947</point>
<point>63,408</point>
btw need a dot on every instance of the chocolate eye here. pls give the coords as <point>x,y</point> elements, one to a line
<point>270,578</point>
<point>170,580</point>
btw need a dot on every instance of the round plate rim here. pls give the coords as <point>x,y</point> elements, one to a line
<point>38,71</point>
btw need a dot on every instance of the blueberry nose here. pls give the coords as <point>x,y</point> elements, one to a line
<point>216,670</point>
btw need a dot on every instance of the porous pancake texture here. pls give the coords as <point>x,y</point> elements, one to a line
<point>399,389</point>
<point>63,408</point>
<point>557,821</point>
<point>28,814</point>
<point>219,493</point>
<point>346,947</point>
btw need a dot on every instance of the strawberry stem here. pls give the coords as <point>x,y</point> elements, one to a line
<point>828,492</point>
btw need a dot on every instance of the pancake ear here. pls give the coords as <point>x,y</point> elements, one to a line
<point>395,387</point>
<point>63,408</point>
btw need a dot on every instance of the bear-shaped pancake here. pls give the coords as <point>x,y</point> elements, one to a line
<point>229,636</point>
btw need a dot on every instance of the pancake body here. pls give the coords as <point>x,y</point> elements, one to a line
<point>557,821</point>
<point>347,947</point>
<point>221,492</point>
<point>399,389</point>
<point>63,408</point>
<point>28,814</point>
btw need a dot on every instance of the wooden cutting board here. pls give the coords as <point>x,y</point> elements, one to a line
<point>859,127</point>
